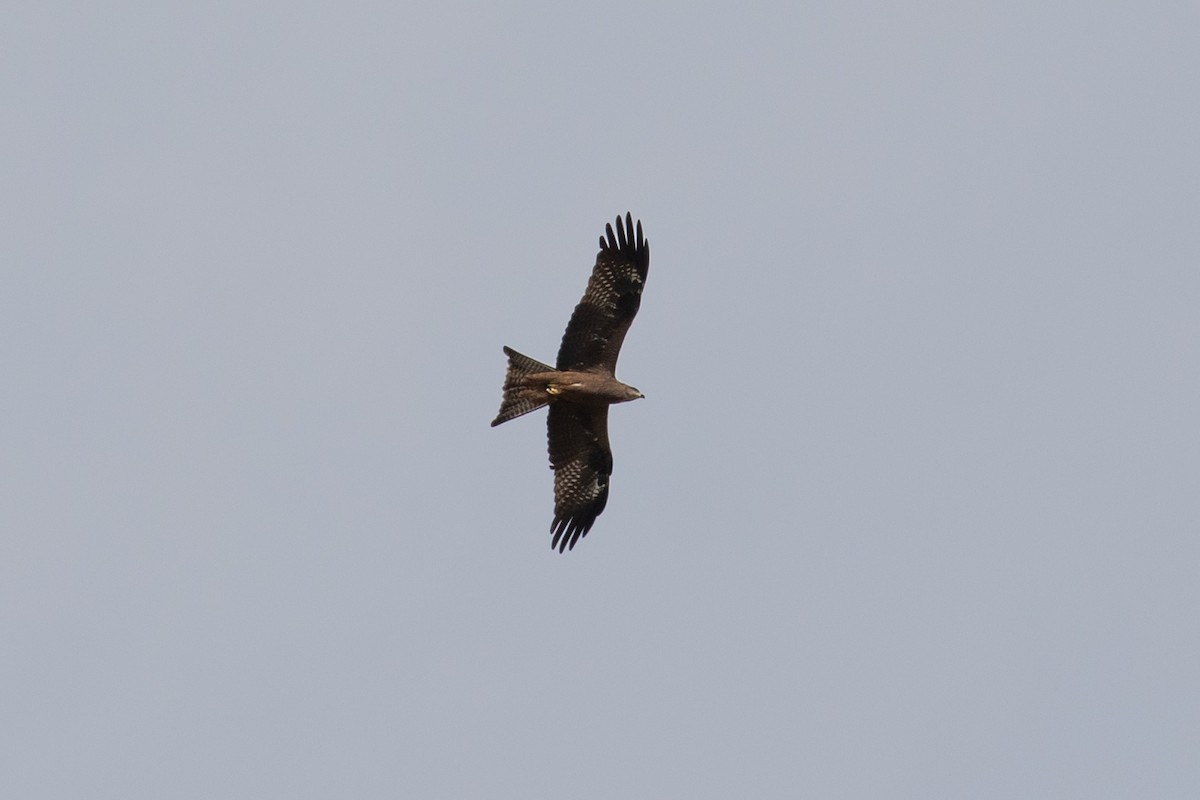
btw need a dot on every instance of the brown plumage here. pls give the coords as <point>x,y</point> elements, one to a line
<point>583,384</point>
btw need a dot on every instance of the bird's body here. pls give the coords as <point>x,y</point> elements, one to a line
<point>582,388</point>
<point>583,385</point>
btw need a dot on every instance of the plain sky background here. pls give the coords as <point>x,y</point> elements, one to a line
<point>910,511</point>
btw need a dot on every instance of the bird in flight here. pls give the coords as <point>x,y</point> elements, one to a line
<point>583,383</point>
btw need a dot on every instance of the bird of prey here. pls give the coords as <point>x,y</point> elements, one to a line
<point>583,384</point>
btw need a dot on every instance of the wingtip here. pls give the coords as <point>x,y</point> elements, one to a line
<point>568,531</point>
<point>627,234</point>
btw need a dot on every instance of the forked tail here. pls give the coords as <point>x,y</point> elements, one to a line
<point>519,398</point>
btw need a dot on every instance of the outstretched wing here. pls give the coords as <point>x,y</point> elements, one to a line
<point>582,463</point>
<point>597,328</point>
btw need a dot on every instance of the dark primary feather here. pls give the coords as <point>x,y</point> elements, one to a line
<point>582,462</point>
<point>597,328</point>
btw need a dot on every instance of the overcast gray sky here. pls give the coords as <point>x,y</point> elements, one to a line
<point>910,510</point>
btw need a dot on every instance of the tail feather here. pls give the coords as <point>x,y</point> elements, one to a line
<point>520,399</point>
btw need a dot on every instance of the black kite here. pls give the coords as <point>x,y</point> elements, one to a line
<point>583,384</point>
